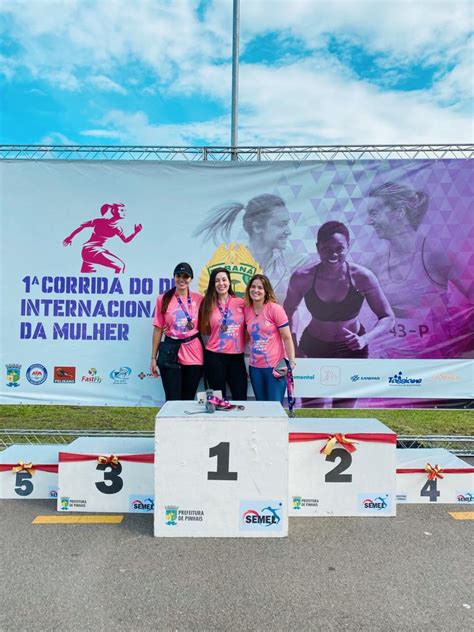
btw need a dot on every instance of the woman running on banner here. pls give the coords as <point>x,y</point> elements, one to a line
<point>414,275</point>
<point>221,317</point>
<point>334,291</point>
<point>266,221</point>
<point>270,340</point>
<point>93,252</point>
<point>176,338</point>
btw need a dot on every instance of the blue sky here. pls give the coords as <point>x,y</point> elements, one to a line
<point>158,72</point>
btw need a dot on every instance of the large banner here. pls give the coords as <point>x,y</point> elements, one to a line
<point>87,247</point>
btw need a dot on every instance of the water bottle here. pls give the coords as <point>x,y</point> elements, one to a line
<point>210,407</point>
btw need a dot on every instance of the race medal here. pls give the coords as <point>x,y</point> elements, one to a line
<point>190,325</point>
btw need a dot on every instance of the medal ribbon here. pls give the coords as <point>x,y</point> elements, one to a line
<point>224,314</point>
<point>223,404</point>
<point>185,311</point>
<point>290,387</point>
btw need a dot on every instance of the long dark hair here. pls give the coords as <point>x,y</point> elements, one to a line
<point>222,218</point>
<point>415,203</point>
<point>210,300</point>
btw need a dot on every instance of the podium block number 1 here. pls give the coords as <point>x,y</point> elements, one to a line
<point>115,482</point>
<point>336,474</point>
<point>23,484</point>
<point>222,452</point>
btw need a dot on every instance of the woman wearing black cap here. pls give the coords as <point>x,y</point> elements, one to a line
<point>180,351</point>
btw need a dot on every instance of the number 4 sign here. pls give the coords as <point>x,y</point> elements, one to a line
<point>222,474</point>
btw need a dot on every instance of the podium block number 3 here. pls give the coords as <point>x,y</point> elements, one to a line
<point>23,484</point>
<point>114,483</point>
<point>336,474</point>
<point>222,452</point>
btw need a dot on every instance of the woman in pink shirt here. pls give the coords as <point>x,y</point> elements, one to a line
<point>222,319</point>
<point>270,339</point>
<point>180,352</point>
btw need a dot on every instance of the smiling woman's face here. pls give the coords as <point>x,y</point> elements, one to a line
<point>276,230</point>
<point>384,219</point>
<point>333,250</point>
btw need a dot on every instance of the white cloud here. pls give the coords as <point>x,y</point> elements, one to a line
<point>106,85</point>
<point>56,138</point>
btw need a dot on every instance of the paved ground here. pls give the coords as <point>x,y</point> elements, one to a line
<point>412,572</point>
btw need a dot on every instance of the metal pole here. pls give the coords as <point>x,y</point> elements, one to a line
<point>235,79</point>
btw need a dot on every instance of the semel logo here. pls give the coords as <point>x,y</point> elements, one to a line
<point>257,515</point>
<point>465,497</point>
<point>373,503</point>
<point>141,504</point>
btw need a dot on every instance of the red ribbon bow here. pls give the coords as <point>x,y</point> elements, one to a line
<point>109,460</point>
<point>433,472</point>
<point>347,444</point>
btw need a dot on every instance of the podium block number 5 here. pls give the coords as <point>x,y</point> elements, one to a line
<point>23,484</point>
<point>336,475</point>
<point>430,489</point>
<point>222,451</point>
<point>115,483</point>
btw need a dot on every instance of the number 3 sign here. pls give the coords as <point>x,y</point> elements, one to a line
<point>223,474</point>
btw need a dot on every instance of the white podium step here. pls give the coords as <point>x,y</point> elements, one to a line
<point>433,475</point>
<point>107,474</point>
<point>341,467</point>
<point>223,474</point>
<point>29,471</point>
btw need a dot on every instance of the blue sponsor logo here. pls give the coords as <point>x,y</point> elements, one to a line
<point>120,376</point>
<point>400,380</point>
<point>141,504</point>
<point>375,503</point>
<point>364,378</point>
<point>36,374</point>
<point>465,497</point>
<point>260,515</point>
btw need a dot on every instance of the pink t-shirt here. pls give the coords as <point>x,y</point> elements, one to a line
<point>231,340</point>
<point>266,345</point>
<point>174,321</point>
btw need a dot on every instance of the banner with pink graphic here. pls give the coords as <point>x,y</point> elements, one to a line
<point>373,262</point>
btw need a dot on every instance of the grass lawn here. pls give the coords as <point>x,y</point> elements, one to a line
<point>407,422</point>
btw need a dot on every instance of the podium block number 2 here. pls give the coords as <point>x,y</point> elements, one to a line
<point>23,484</point>
<point>114,483</point>
<point>222,452</point>
<point>336,474</point>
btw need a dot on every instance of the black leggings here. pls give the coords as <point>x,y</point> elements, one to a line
<point>181,383</point>
<point>226,368</point>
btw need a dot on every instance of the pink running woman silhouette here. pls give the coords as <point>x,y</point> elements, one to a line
<point>93,252</point>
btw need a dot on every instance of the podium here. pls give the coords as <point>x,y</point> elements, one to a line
<point>107,474</point>
<point>433,475</point>
<point>29,471</point>
<point>341,467</point>
<point>223,474</point>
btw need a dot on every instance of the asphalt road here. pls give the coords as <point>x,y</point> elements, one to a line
<point>412,572</point>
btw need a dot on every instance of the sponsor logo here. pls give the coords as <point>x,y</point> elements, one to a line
<point>64,374</point>
<point>142,375</point>
<point>465,497</point>
<point>13,375</point>
<point>445,377</point>
<point>299,502</point>
<point>258,515</point>
<point>401,498</point>
<point>330,375</point>
<point>52,493</point>
<point>91,377</point>
<point>174,514</point>
<point>141,504</point>
<point>400,380</point>
<point>366,378</point>
<point>304,377</point>
<point>68,503</point>
<point>36,374</point>
<point>374,503</point>
<point>120,376</point>
<point>238,260</point>
<point>64,502</point>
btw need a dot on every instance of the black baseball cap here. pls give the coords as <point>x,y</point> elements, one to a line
<point>184,268</point>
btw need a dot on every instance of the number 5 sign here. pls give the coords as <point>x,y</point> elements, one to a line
<point>223,474</point>
<point>342,467</point>
<point>29,471</point>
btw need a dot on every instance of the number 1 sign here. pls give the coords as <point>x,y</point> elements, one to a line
<point>223,474</point>
<point>341,467</point>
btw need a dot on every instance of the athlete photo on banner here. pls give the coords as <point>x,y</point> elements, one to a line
<point>373,262</point>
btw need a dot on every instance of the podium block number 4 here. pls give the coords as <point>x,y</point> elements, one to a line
<point>222,452</point>
<point>23,484</point>
<point>336,474</point>
<point>430,489</point>
<point>114,482</point>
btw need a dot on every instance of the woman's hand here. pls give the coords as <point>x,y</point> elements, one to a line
<point>154,368</point>
<point>353,341</point>
<point>137,228</point>
<point>67,241</point>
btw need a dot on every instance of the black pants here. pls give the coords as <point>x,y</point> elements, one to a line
<point>221,369</point>
<point>181,383</point>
